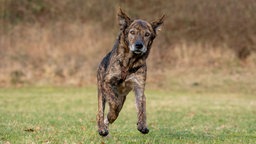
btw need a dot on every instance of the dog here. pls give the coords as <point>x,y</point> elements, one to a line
<point>124,69</point>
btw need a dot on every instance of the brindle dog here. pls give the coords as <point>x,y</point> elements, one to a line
<point>124,69</point>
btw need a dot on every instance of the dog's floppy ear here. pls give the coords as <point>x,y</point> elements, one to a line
<point>156,24</point>
<point>124,20</point>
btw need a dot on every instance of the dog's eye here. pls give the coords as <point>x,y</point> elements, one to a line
<point>147,34</point>
<point>132,32</point>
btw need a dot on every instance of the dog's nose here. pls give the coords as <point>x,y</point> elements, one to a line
<point>139,45</point>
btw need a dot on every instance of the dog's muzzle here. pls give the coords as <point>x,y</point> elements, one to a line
<point>138,48</point>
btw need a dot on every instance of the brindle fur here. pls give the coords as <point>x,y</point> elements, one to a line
<point>123,70</point>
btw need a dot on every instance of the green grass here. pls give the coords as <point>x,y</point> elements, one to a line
<point>68,115</point>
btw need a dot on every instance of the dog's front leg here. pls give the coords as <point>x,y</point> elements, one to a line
<point>115,101</point>
<point>141,109</point>
<point>106,93</point>
<point>102,128</point>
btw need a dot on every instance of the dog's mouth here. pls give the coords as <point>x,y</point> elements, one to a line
<point>137,52</point>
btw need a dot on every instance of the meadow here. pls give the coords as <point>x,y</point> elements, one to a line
<point>190,111</point>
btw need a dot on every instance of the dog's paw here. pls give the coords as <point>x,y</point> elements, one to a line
<point>142,129</point>
<point>103,132</point>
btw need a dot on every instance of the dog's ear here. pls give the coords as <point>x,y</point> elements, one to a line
<point>156,24</point>
<point>124,20</point>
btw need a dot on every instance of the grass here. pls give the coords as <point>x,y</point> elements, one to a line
<point>68,114</point>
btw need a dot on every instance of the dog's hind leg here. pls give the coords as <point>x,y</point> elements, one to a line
<point>102,128</point>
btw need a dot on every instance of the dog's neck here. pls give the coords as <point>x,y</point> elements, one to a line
<point>127,57</point>
<point>128,61</point>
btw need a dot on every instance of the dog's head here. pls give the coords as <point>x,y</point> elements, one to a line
<point>139,34</point>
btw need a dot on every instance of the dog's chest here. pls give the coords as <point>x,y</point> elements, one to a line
<point>125,87</point>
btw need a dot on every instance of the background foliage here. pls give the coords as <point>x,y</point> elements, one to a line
<point>51,42</point>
